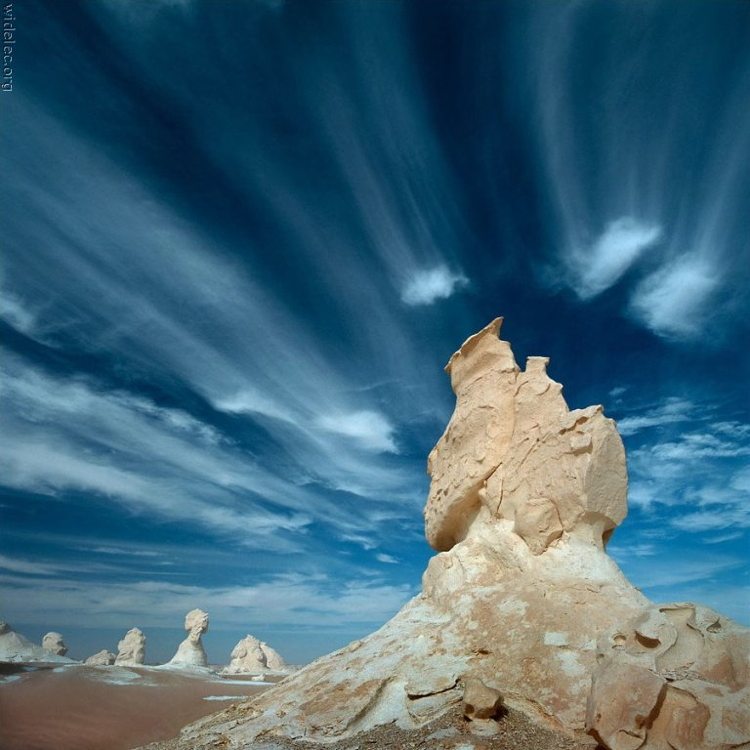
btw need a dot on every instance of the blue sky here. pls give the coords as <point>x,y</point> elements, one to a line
<point>241,239</point>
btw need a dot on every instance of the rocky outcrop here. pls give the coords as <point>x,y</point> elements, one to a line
<point>522,597</point>
<point>676,676</point>
<point>53,642</point>
<point>17,649</point>
<point>101,658</point>
<point>190,653</point>
<point>131,650</point>
<point>251,656</point>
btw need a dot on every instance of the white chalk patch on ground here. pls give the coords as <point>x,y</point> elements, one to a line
<point>119,676</point>
<point>555,639</point>
<point>244,682</point>
<point>225,697</point>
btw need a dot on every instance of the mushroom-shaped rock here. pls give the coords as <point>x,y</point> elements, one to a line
<point>251,656</point>
<point>131,650</point>
<point>53,642</point>
<point>101,658</point>
<point>522,595</point>
<point>190,653</point>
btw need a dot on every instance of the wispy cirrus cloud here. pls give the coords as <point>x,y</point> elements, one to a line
<point>674,409</point>
<point>614,177</point>
<point>75,435</point>
<point>386,558</point>
<point>15,313</point>
<point>224,335</point>
<point>690,467</point>
<point>281,600</point>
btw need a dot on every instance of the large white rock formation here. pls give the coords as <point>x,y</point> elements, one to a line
<point>53,642</point>
<point>251,656</point>
<point>190,653</point>
<point>16,648</point>
<point>131,650</point>
<point>522,596</point>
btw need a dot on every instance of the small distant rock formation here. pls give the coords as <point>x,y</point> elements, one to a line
<point>252,656</point>
<point>101,658</point>
<point>131,650</point>
<point>190,653</point>
<point>53,642</point>
<point>17,649</point>
<point>522,598</point>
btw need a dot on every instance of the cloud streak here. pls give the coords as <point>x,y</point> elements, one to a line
<point>678,239</point>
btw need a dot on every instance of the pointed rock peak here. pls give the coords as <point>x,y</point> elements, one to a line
<point>491,331</point>
<point>480,353</point>
<point>514,449</point>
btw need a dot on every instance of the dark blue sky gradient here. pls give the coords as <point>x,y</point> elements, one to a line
<point>241,239</point>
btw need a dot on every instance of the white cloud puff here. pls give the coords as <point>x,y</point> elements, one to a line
<point>672,301</point>
<point>427,286</point>
<point>597,268</point>
<point>370,429</point>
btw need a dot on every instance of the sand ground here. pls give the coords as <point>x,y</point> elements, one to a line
<point>105,708</point>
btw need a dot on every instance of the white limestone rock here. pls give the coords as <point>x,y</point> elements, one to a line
<point>101,658</point>
<point>131,650</point>
<point>252,656</point>
<point>16,648</point>
<point>522,596</point>
<point>190,653</point>
<point>53,642</point>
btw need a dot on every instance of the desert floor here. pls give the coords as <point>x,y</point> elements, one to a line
<point>116,708</point>
<point>105,708</point>
<point>513,731</point>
